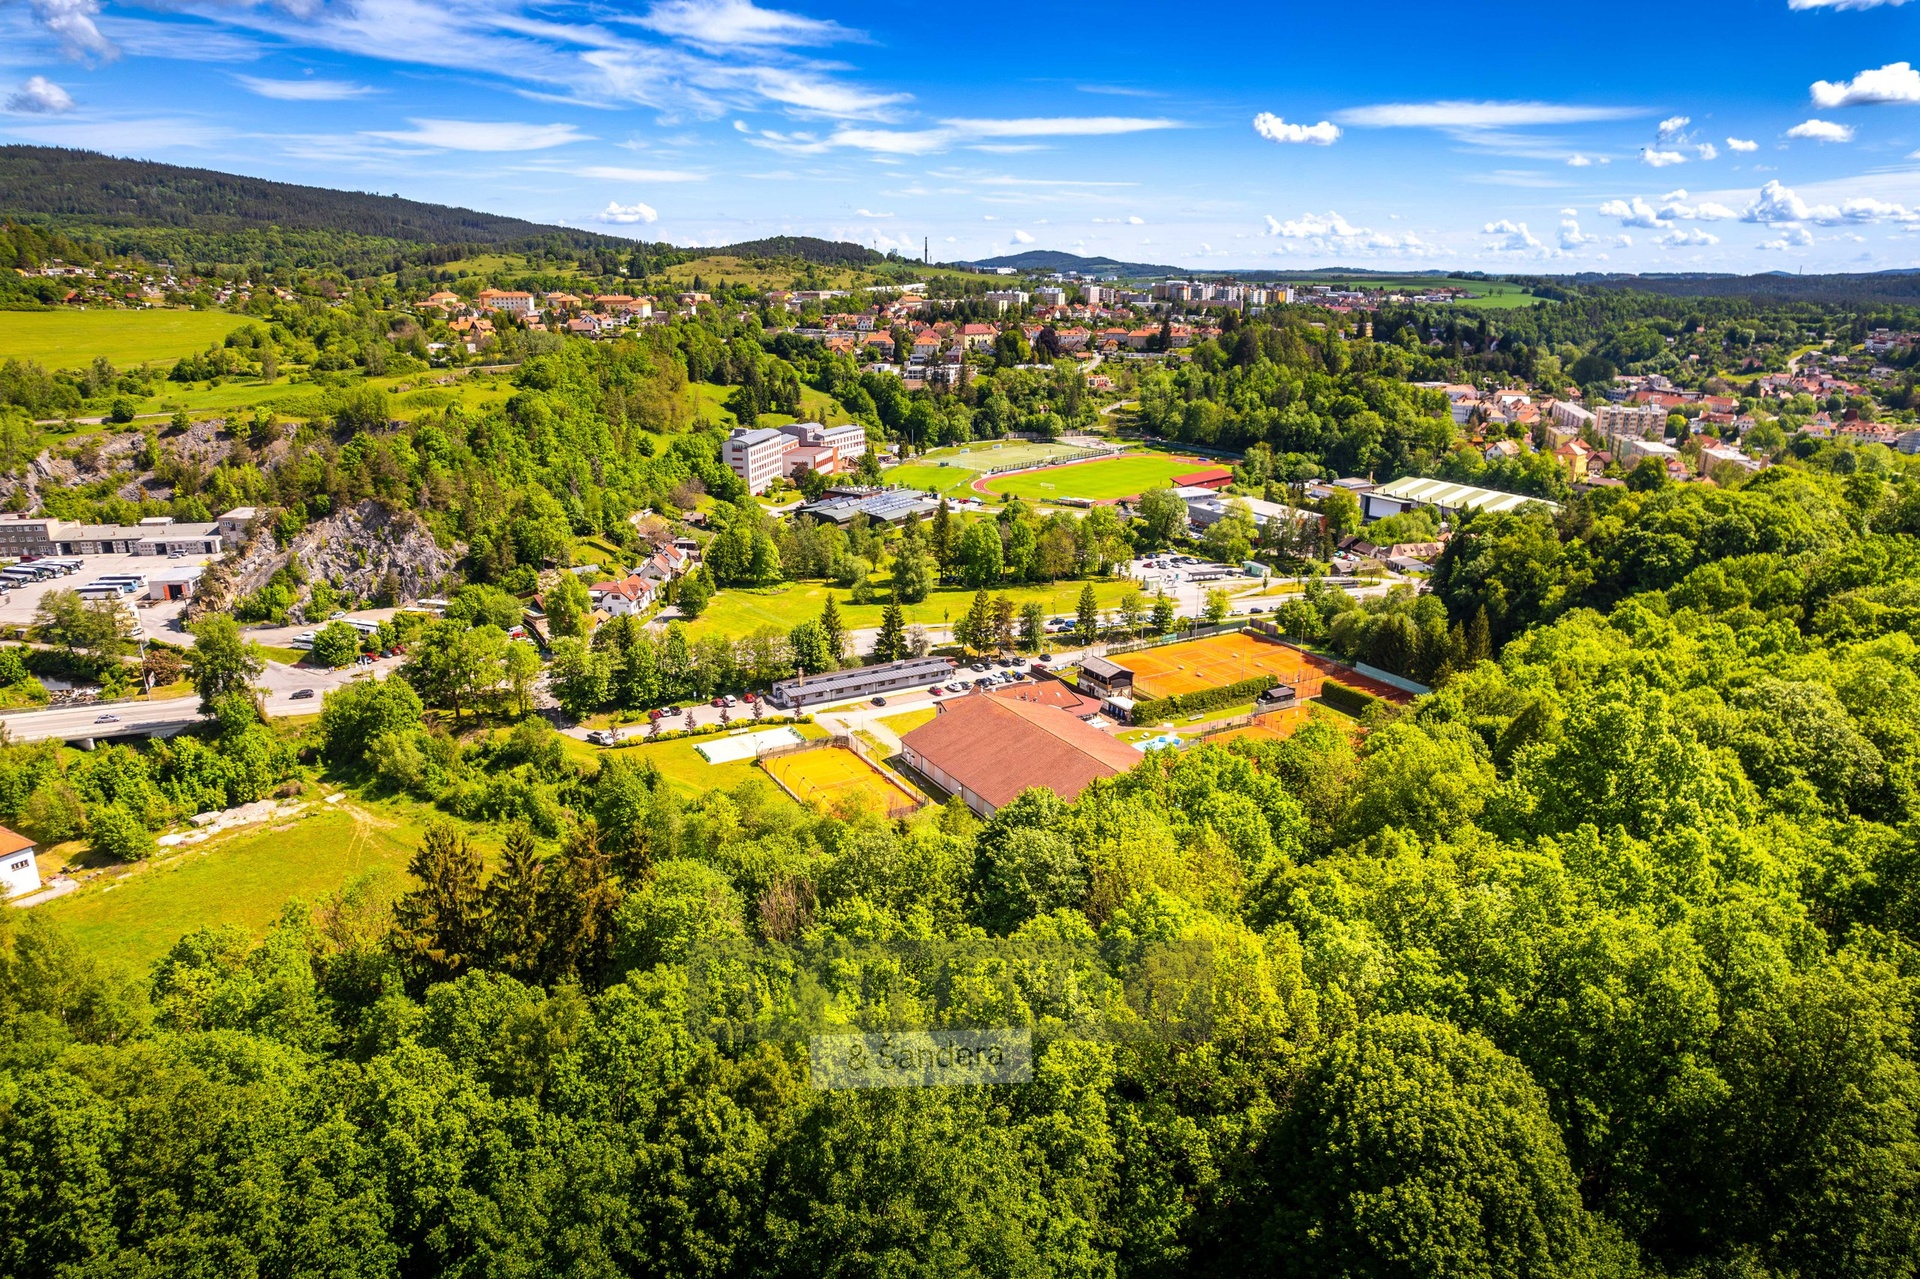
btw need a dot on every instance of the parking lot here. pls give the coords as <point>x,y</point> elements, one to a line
<point>158,619</point>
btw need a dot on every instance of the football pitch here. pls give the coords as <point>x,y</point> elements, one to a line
<point>1096,481</point>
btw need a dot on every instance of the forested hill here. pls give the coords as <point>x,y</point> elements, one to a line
<point>85,187</point>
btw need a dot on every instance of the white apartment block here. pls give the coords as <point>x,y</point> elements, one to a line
<point>757,456</point>
<point>848,440</point>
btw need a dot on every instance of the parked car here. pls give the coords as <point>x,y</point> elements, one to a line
<point>335,616</point>
<point>718,701</point>
<point>302,694</point>
<point>879,701</point>
<point>728,699</point>
<point>1043,658</point>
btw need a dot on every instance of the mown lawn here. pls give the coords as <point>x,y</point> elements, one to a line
<point>738,611</point>
<point>69,339</point>
<point>947,481</point>
<point>241,878</point>
<point>1108,478</point>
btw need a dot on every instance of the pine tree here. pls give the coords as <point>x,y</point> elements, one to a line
<point>943,535</point>
<point>891,644</point>
<point>975,630</point>
<point>576,912</point>
<point>512,900</point>
<point>440,927</point>
<point>1479,638</point>
<point>1033,625</point>
<point>834,629</point>
<point>1003,616</point>
<point>1087,615</point>
<point>1163,614</point>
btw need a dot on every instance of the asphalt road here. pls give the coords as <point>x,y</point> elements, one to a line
<point>277,686</point>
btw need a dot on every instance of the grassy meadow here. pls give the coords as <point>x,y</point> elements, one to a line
<point>737,611</point>
<point>243,877</point>
<point>69,339</point>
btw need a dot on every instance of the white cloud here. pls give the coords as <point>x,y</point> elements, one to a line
<point>1477,115</point>
<point>1777,204</point>
<point>1636,212</point>
<point>1570,234</point>
<point>1661,159</point>
<point>1060,126</point>
<point>1021,237</point>
<point>724,24</point>
<point>1791,237</point>
<point>304,90</point>
<point>1673,124</point>
<point>73,22</point>
<point>1686,237</point>
<point>1136,221</point>
<point>1822,131</point>
<point>1331,233</point>
<point>1895,82</point>
<point>1866,209</point>
<point>1578,161</point>
<point>483,135</point>
<point>1841,4</point>
<point>1274,129</point>
<point>615,173</point>
<point>813,96</point>
<point>40,96</point>
<point>627,213</point>
<point>1513,237</point>
<point>868,214</point>
<point>1742,144</point>
<point>1706,151</point>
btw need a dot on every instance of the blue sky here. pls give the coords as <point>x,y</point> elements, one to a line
<point>1745,136</point>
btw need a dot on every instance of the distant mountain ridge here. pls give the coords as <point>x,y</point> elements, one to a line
<point>89,191</point>
<point>1055,260</point>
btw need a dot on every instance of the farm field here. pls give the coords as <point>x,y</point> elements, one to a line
<point>69,339</point>
<point>1097,481</point>
<point>738,611</point>
<point>242,878</point>
<point>834,775</point>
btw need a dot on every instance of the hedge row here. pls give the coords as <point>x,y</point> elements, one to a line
<point>1344,697</point>
<point>1205,700</point>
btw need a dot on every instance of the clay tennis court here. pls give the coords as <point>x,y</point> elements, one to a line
<point>1275,727</point>
<point>1218,660</point>
<point>823,776</point>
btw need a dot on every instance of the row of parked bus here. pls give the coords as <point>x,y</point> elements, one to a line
<point>29,571</point>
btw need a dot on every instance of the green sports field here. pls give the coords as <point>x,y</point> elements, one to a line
<point>1108,478</point>
<point>69,339</point>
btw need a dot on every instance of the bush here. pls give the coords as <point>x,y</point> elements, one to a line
<point>119,834</point>
<point>1344,697</point>
<point>1205,700</point>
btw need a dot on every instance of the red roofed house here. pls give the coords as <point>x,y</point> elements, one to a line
<point>617,598</point>
<point>1213,477</point>
<point>988,749</point>
<point>18,872</point>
